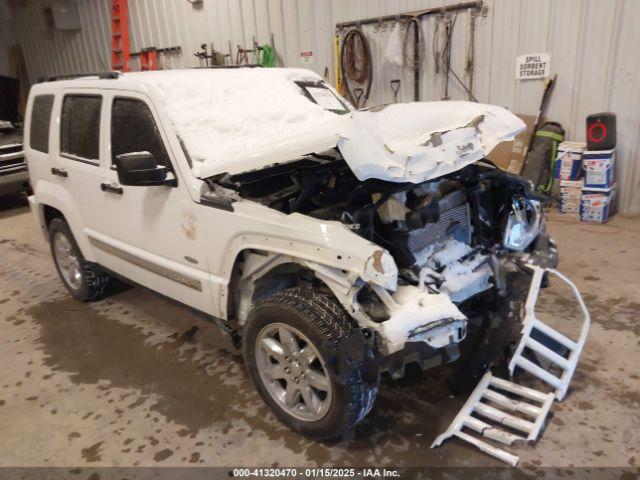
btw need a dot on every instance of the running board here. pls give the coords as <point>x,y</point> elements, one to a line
<point>548,343</point>
<point>525,415</point>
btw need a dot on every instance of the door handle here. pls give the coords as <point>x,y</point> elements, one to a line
<point>107,187</point>
<point>60,172</point>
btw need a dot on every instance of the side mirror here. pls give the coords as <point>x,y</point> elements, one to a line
<point>139,169</point>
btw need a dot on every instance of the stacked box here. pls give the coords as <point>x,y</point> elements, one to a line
<point>570,195</point>
<point>599,168</point>
<point>568,163</point>
<point>597,205</point>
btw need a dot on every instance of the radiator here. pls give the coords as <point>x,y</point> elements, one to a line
<point>455,221</point>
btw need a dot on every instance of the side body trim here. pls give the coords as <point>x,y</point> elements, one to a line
<point>171,274</point>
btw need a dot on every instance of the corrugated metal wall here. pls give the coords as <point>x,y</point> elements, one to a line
<point>6,38</point>
<point>593,45</point>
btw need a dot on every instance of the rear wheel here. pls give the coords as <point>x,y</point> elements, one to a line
<point>297,347</point>
<point>84,280</point>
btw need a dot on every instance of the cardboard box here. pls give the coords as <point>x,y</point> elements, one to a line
<point>510,155</point>
<point>597,205</point>
<point>599,168</point>
<point>570,197</point>
<point>568,163</point>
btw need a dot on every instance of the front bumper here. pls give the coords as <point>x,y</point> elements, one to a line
<point>414,333</point>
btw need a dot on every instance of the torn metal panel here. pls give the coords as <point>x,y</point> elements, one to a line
<point>415,142</point>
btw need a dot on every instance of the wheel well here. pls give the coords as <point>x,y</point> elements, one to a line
<point>280,277</point>
<point>49,214</point>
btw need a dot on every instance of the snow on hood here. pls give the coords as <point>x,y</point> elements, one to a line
<point>237,120</point>
<point>224,116</point>
<point>415,142</point>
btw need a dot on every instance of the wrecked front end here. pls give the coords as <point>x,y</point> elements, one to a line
<point>433,251</point>
<point>453,240</point>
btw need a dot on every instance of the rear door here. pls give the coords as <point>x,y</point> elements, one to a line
<point>81,157</point>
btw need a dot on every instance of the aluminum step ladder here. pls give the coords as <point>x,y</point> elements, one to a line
<point>547,342</point>
<point>527,414</point>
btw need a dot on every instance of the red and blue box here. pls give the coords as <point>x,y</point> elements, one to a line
<point>568,163</point>
<point>597,205</point>
<point>599,168</point>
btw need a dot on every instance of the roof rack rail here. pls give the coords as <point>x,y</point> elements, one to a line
<point>101,75</point>
<point>248,65</point>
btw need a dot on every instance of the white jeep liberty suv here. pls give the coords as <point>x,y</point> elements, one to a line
<point>332,244</point>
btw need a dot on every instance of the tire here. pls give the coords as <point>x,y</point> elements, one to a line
<point>85,281</point>
<point>343,357</point>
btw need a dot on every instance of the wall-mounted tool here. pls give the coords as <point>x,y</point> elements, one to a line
<point>442,57</point>
<point>149,56</point>
<point>214,58</point>
<point>242,55</point>
<point>264,55</point>
<point>356,64</point>
<point>357,93</point>
<point>413,18</point>
<point>415,59</point>
<point>395,88</point>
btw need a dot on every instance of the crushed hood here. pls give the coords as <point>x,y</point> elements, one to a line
<point>237,120</point>
<point>416,142</point>
<point>405,142</point>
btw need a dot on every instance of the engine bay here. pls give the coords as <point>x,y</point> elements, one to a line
<point>441,233</point>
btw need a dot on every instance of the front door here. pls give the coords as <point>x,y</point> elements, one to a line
<point>154,239</point>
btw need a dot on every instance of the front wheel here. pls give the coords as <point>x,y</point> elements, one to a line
<point>310,363</point>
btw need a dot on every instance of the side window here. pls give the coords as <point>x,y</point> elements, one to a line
<point>133,129</point>
<point>80,126</point>
<point>40,121</point>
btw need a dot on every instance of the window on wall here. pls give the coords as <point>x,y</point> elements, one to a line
<point>80,126</point>
<point>40,121</point>
<point>133,129</point>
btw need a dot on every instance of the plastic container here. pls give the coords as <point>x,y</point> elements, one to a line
<point>599,168</point>
<point>568,164</point>
<point>597,205</point>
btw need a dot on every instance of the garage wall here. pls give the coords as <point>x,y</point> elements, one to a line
<point>6,38</point>
<point>593,46</point>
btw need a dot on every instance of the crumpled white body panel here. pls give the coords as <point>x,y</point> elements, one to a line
<point>416,142</point>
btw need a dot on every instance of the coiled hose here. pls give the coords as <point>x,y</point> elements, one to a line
<point>356,65</point>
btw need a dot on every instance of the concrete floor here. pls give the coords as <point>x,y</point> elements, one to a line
<point>117,382</point>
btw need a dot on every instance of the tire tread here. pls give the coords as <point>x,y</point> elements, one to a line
<point>330,318</point>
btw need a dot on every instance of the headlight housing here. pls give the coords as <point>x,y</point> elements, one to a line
<point>524,224</point>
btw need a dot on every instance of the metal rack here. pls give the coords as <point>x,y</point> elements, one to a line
<point>417,14</point>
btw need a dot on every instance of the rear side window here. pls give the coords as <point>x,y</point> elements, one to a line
<point>133,129</point>
<point>40,121</point>
<point>80,126</point>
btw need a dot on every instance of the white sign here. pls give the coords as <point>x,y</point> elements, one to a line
<point>306,57</point>
<point>325,98</point>
<point>533,65</point>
